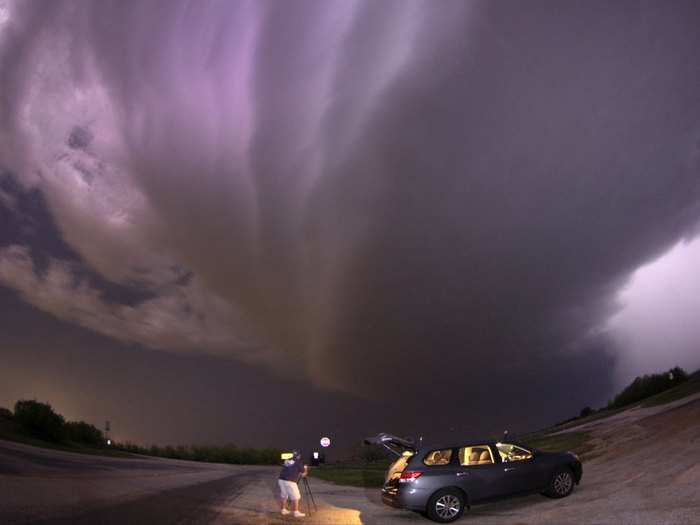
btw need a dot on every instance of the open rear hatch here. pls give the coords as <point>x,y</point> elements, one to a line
<point>404,448</point>
<point>393,443</point>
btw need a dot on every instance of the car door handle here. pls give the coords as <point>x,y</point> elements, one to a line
<point>508,469</point>
<point>462,473</point>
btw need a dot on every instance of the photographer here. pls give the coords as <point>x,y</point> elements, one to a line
<point>292,471</point>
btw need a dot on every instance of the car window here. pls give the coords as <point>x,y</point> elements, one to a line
<point>510,452</point>
<point>475,455</point>
<point>438,457</point>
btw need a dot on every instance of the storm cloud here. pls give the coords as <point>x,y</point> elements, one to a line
<point>380,197</point>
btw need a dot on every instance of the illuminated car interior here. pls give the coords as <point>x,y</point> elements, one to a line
<point>438,457</point>
<point>512,453</point>
<point>476,455</point>
<point>398,466</point>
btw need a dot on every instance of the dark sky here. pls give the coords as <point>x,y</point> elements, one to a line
<point>265,222</point>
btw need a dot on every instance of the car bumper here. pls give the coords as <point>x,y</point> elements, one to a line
<point>578,472</point>
<point>411,498</point>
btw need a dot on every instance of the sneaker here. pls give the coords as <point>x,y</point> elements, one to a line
<point>298,514</point>
<point>285,512</point>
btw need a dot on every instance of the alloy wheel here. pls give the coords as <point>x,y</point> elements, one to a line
<point>447,506</point>
<point>563,483</point>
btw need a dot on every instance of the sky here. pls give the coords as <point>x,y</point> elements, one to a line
<point>265,222</point>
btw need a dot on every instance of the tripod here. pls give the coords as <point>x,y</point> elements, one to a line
<point>310,497</point>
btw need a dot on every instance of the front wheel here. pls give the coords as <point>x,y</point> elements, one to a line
<point>445,506</point>
<point>561,485</point>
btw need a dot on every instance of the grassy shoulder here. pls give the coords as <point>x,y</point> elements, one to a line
<point>602,414</point>
<point>353,474</point>
<point>577,442</point>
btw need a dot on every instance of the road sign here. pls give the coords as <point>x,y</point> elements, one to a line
<point>325,442</point>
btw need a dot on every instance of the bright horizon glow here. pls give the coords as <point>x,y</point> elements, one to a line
<point>657,327</point>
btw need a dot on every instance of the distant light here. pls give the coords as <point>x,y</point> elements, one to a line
<point>315,455</point>
<point>325,442</point>
<point>109,442</point>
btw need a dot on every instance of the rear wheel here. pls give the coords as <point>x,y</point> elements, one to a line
<point>561,484</point>
<point>445,506</point>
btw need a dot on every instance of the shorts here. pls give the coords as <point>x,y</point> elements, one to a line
<point>289,489</point>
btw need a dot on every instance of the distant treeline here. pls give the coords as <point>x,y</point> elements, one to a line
<point>647,386</point>
<point>641,388</point>
<point>40,421</point>
<point>222,454</point>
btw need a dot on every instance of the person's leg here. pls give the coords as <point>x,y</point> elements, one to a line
<point>295,496</point>
<point>284,495</point>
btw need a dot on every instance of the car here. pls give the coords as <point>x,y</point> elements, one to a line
<point>440,482</point>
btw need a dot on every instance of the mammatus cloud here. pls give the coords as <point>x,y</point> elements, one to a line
<point>377,190</point>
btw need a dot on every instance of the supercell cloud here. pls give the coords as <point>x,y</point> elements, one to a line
<point>375,195</point>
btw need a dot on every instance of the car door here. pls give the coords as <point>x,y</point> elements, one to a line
<point>521,472</point>
<point>480,480</point>
<point>441,467</point>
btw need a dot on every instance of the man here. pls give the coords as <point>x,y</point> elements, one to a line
<point>292,471</point>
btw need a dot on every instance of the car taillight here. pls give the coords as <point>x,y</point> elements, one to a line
<point>410,476</point>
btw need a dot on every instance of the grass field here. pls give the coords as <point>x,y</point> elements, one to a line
<point>356,475</point>
<point>577,442</point>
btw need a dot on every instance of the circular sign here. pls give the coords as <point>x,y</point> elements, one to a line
<point>325,442</point>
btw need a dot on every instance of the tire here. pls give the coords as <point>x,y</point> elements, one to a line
<point>561,484</point>
<point>446,506</point>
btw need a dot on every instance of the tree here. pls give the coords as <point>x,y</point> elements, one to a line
<point>40,420</point>
<point>647,386</point>
<point>84,433</point>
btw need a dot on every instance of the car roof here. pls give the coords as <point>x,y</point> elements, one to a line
<point>471,443</point>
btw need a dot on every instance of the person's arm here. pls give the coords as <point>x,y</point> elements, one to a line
<point>305,472</point>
